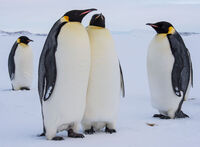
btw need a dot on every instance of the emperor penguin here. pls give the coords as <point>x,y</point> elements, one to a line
<point>20,64</point>
<point>169,70</point>
<point>105,82</point>
<point>64,68</point>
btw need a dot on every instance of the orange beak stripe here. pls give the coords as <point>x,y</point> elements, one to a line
<point>85,12</point>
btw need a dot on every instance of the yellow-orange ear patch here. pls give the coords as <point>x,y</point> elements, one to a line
<point>18,40</point>
<point>65,19</point>
<point>171,30</point>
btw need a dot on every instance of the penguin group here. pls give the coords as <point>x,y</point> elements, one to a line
<point>80,79</point>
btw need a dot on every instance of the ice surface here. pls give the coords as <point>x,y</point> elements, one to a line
<point>21,118</point>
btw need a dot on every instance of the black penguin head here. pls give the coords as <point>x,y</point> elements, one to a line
<point>23,39</point>
<point>98,20</point>
<point>76,15</point>
<point>162,27</point>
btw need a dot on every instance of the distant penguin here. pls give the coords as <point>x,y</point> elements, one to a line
<point>20,64</point>
<point>105,80</point>
<point>169,69</point>
<point>63,75</point>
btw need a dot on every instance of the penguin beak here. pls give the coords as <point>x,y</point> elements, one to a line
<point>100,15</point>
<point>85,12</point>
<point>152,25</point>
<point>30,40</point>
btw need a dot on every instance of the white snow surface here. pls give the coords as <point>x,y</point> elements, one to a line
<point>21,120</point>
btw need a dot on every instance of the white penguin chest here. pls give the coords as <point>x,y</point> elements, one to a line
<point>23,64</point>
<point>104,84</point>
<point>72,56</point>
<point>23,57</point>
<point>160,63</point>
<point>159,54</point>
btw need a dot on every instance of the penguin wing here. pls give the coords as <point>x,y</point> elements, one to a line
<point>191,67</point>
<point>11,62</point>
<point>122,80</point>
<point>47,66</point>
<point>182,68</point>
<point>47,76</point>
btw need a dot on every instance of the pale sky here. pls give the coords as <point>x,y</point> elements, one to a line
<point>39,15</point>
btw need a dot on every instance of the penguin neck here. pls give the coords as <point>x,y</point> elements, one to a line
<point>161,35</point>
<point>72,23</point>
<point>95,27</point>
<point>23,45</point>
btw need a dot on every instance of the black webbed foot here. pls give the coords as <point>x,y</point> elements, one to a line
<point>107,130</point>
<point>90,131</point>
<point>42,134</point>
<point>161,116</point>
<point>180,114</point>
<point>72,134</point>
<point>58,138</point>
<point>24,88</point>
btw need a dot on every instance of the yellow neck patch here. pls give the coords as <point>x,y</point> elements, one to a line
<point>162,35</point>
<point>23,44</point>
<point>95,27</point>
<point>171,30</point>
<point>64,19</point>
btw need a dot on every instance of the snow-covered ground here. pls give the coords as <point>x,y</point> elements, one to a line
<point>20,116</point>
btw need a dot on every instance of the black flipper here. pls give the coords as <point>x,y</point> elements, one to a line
<point>122,81</point>
<point>47,66</point>
<point>182,68</point>
<point>191,68</point>
<point>11,62</point>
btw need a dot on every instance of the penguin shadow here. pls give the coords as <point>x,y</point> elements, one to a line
<point>6,90</point>
<point>64,135</point>
<point>191,99</point>
<point>61,136</point>
<point>10,89</point>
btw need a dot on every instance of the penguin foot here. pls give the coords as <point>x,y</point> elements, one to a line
<point>72,134</point>
<point>24,88</point>
<point>42,134</point>
<point>58,138</point>
<point>90,131</point>
<point>161,116</point>
<point>180,114</point>
<point>107,130</point>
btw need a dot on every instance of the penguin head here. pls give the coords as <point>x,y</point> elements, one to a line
<point>76,15</point>
<point>162,27</point>
<point>98,20</point>
<point>23,39</point>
